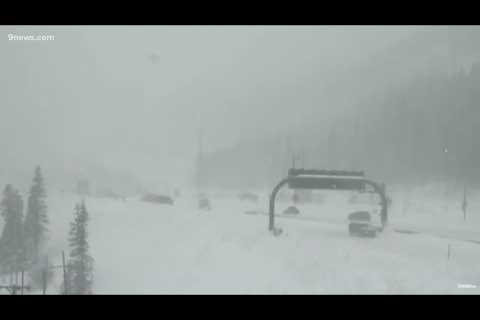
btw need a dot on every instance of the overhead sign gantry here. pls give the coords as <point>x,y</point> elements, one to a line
<point>327,180</point>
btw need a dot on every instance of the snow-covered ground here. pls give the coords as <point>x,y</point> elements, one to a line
<point>144,248</point>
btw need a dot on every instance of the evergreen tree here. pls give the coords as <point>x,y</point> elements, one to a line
<point>36,220</point>
<point>12,253</point>
<point>80,266</point>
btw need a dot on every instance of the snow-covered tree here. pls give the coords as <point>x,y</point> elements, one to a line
<point>36,220</point>
<point>80,266</point>
<point>12,250</point>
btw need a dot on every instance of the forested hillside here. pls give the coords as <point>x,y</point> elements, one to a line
<point>426,128</point>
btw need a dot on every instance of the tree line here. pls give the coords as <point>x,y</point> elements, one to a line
<point>24,238</point>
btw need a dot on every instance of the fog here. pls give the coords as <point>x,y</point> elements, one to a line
<point>134,98</point>
<point>148,154</point>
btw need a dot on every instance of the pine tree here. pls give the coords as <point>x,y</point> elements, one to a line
<point>36,220</point>
<point>80,266</point>
<point>12,250</point>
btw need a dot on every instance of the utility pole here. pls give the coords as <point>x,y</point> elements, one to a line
<point>44,277</point>
<point>65,284</point>
<point>49,267</point>
<point>464,203</point>
<point>23,271</point>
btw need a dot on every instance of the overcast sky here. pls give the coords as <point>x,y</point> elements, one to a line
<point>136,96</point>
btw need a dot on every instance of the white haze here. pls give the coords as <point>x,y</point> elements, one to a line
<point>126,106</point>
<point>95,96</point>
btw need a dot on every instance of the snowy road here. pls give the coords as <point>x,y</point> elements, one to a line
<point>145,248</point>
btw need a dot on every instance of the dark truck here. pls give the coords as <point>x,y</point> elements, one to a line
<point>360,224</point>
<point>157,198</point>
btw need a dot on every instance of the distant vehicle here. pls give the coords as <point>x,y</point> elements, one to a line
<point>248,196</point>
<point>157,198</point>
<point>204,204</point>
<point>360,224</point>
<point>291,210</point>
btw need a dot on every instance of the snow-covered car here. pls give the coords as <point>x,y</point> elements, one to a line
<point>204,203</point>
<point>157,198</point>
<point>291,210</point>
